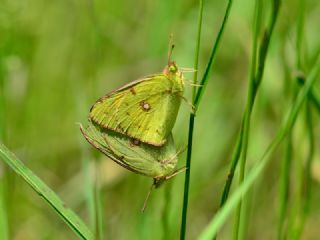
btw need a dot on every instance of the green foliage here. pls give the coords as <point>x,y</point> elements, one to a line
<point>57,57</point>
<point>44,191</point>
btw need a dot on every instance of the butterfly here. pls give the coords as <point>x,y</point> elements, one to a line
<point>156,162</point>
<point>144,109</point>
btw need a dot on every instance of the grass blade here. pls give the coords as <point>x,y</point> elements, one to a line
<point>44,191</point>
<point>4,206</point>
<point>287,162</point>
<point>245,129</point>
<point>284,186</point>
<point>196,101</point>
<point>313,95</point>
<point>4,233</point>
<point>167,208</point>
<point>205,77</point>
<point>217,222</point>
<point>190,133</point>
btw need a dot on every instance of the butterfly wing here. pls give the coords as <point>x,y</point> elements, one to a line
<point>143,159</point>
<point>145,109</point>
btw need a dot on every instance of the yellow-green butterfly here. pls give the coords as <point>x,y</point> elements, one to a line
<point>156,162</point>
<point>144,109</point>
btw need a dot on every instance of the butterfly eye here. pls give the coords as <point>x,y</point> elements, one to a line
<point>173,69</point>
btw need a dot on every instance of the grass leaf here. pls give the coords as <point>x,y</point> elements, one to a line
<point>44,191</point>
<point>220,218</point>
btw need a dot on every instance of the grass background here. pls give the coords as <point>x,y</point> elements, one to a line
<point>57,58</point>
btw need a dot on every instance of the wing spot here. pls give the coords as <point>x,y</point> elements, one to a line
<point>133,91</point>
<point>145,106</point>
<point>170,91</point>
<point>120,128</point>
<point>134,142</point>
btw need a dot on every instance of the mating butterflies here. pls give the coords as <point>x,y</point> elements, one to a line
<point>145,109</point>
<point>156,162</point>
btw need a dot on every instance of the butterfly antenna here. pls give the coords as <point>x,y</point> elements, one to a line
<point>175,173</point>
<point>171,47</point>
<point>147,198</point>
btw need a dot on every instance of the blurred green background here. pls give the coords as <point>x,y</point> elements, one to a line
<point>58,57</point>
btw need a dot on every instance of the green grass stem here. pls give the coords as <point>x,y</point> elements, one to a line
<point>74,222</point>
<point>255,79</point>
<point>219,219</point>
<point>284,186</point>
<point>190,133</point>
<point>196,97</point>
<point>99,209</point>
<point>90,195</point>
<point>288,157</point>
<point>206,75</point>
<point>314,97</point>
<point>247,115</point>
<point>4,224</point>
<point>253,88</point>
<point>305,177</point>
<point>310,157</point>
<point>166,233</point>
<point>4,227</point>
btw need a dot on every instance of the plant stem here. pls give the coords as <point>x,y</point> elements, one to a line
<point>74,222</point>
<point>287,161</point>
<point>251,94</point>
<point>4,228</point>
<point>255,80</point>
<point>313,95</point>
<point>190,133</point>
<point>308,178</point>
<point>220,218</point>
<point>166,233</point>
<point>4,224</point>
<point>205,77</point>
<point>252,89</point>
<point>196,101</point>
<point>187,180</point>
<point>284,185</point>
<point>99,210</point>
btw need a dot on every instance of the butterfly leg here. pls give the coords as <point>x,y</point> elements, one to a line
<point>176,172</point>
<point>190,83</point>
<point>187,70</point>
<point>165,162</point>
<point>192,107</point>
<point>147,197</point>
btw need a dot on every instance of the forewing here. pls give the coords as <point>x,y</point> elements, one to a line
<point>145,110</point>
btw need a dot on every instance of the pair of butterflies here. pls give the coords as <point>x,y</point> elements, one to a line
<point>132,125</point>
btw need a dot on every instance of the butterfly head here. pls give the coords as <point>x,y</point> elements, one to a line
<point>172,69</point>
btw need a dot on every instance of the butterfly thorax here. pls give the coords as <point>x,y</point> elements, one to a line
<point>173,73</point>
